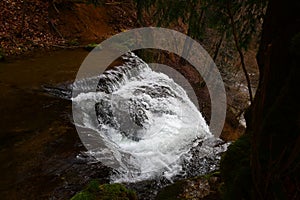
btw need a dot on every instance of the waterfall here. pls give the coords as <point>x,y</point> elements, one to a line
<point>146,125</point>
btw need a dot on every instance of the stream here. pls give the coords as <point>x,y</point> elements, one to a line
<point>153,134</point>
<point>38,142</point>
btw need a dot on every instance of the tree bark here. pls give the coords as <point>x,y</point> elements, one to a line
<point>273,120</point>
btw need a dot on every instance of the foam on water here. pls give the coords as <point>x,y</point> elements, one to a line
<point>145,121</point>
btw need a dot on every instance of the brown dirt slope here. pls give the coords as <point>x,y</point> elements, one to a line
<point>32,24</point>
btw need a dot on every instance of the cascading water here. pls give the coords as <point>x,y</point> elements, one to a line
<point>146,124</point>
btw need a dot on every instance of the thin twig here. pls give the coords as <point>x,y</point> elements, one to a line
<point>236,41</point>
<point>68,47</point>
<point>54,27</point>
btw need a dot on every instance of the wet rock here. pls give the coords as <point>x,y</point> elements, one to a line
<point>204,187</point>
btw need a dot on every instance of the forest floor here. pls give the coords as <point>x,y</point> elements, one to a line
<point>28,26</point>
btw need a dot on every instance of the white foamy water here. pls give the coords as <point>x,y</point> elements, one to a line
<point>146,124</point>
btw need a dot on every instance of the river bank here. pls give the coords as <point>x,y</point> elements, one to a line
<point>30,26</point>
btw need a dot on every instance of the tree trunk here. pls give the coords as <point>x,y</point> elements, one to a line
<point>273,120</point>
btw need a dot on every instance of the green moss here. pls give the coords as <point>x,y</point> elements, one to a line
<point>91,46</point>
<point>235,170</point>
<point>208,176</point>
<point>73,42</point>
<point>116,191</point>
<point>85,195</point>
<point>95,191</point>
<point>93,186</point>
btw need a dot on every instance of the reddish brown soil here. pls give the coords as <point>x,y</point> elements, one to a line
<point>83,23</point>
<point>29,25</point>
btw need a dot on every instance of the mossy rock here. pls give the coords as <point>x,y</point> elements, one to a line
<point>84,195</point>
<point>235,170</point>
<point>95,191</point>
